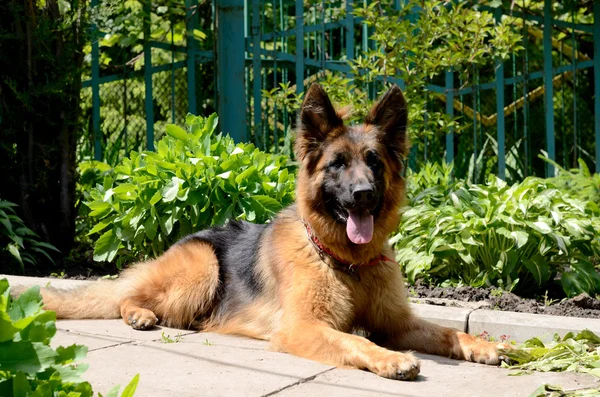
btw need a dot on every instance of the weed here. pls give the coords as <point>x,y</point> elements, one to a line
<point>167,338</point>
<point>548,301</point>
<point>58,275</point>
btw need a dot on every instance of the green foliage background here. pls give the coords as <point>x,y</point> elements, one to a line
<point>29,366</point>
<point>195,179</point>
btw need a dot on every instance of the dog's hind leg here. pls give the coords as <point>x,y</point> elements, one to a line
<point>175,289</point>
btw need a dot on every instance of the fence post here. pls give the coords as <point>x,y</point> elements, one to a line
<point>256,70</point>
<point>349,31</point>
<point>191,19</point>
<point>597,81</point>
<point>299,46</point>
<point>549,88</point>
<point>96,91</point>
<point>149,103</point>
<point>450,112</point>
<point>230,67</point>
<point>500,107</point>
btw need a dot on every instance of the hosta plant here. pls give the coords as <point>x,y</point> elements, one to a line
<point>578,182</point>
<point>195,179</point>
<point>29,366</point>
<point>519,237</point>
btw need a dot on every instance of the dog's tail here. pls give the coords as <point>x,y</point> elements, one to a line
<point>100,299</point>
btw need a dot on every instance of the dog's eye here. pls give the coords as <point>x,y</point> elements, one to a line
<point>372,160</point>
<point>339,162</point>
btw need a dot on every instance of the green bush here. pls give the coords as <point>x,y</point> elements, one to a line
<point>522,236</point>
<point>195,179</point>
<point>28,365</point>
<point>20,245</point>
<point>578,182</point>
<point>431,177</point>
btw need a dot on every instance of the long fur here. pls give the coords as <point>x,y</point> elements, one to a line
<point>269,281</point>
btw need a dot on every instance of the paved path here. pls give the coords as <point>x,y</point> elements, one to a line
<point>206,364</point>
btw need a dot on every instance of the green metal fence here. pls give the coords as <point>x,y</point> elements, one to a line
<point>545,97</point>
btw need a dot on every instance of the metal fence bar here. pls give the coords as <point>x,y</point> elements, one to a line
<point>299,46</point>
<point>230,66</point>
<point>149,103</point>
<point>256,67</point>
<point>450,112</point>
<point>307,61</point>
<point>549,89</point>
<point>191,24</point>
<point>597,81</point>
<point>500,108</point>
<point>96,91</point>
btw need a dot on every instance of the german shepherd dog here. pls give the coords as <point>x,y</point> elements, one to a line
<point>319,271</point>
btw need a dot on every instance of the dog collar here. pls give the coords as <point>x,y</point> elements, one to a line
<point>338,263</point>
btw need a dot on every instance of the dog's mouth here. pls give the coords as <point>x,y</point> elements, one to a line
<point>359,223</point>
<point>359,226</point>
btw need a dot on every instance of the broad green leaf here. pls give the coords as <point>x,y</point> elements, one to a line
<point>106,246</point>
<point>131,387</point>
<point>169,192</point>
<point>71,353</point>
<point>176,132</point>
<point>7,330</point>
<point>26,305</point>
<point>26,356</point>
<point>20,385</point>
<point>538,267</point>
<point>270,204</point>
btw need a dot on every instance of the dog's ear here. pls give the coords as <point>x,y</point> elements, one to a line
<point>317,119</point>
<point>390,115</point>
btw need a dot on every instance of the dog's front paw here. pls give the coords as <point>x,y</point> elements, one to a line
<point>141,319</point>
<point>484,352</point>
<point>394,365</point>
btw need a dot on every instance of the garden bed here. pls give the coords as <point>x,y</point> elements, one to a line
<point>491,298</point>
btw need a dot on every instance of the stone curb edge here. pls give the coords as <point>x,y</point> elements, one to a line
<point>516,326</point>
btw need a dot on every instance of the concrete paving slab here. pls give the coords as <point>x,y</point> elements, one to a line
<point>117,329</point>
<point>439,377</point>
<point>523,326</point>
<point>183,369</point>
<point>221,365</point>
<point>453,317</point>
<point>93,342</point>
<point>212,339</point>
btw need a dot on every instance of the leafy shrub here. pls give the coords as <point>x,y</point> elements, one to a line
<point>524,236</point>
<point>19,244</point>
<point>431,177</point>
<point>578,182</point>
<point>28,365</point>
<point>195,179</point>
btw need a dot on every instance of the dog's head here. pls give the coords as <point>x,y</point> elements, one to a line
<point>349,185</point>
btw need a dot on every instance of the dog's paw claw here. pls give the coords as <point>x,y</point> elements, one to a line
<point>398,366</point>
<point>409,374</point>
<point>142,319</point>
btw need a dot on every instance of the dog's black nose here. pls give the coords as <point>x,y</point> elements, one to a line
<point>363,194</point>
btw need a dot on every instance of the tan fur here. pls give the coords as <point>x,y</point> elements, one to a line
<point>305,307</point>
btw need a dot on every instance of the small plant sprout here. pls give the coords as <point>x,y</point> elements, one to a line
<point>207,342</point>
<point>548,301</point>
<point>167,338</point>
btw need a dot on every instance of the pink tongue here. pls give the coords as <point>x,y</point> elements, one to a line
<point>359,227</point>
